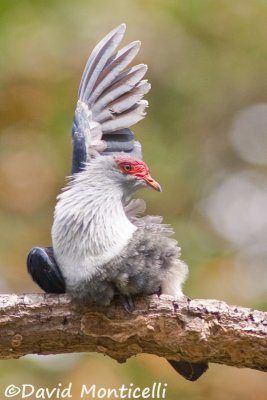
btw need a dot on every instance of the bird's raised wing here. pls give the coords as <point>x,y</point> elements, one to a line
<point>109,101</point>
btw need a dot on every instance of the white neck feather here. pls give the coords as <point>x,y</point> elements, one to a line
<point>90,225</point>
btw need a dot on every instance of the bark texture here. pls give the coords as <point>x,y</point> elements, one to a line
<point>192,330</point>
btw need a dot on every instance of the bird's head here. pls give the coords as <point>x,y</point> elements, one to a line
<point>134,172</point>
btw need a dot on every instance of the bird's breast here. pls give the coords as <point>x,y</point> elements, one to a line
<point>83,244</point>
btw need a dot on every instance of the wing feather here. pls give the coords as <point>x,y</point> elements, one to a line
<point>127,100</point>
<point>109,101</point>
<point>120,62</point>
<point>123,85</point>
<point>128,118</point>
<point>97,60</point>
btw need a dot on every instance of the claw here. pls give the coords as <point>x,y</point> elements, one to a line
<point>159,292</point>
<point>127,303</point>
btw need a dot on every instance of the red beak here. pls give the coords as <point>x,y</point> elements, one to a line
<point>151,182</point>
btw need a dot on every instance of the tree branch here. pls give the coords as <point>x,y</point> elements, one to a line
<point>192,330</point>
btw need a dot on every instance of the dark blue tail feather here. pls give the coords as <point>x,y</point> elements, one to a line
<point>44,270</point>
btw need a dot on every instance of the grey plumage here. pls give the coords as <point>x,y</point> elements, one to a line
<point>112,249</point>
<point>142,268</point>
<point>100,242</point>
<point>102,246</point>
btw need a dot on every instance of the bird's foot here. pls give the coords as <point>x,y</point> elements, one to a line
<point>127,303</point>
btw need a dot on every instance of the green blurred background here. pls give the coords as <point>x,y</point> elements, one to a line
<point>205,139</point>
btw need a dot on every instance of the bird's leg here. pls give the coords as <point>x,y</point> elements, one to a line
<point>127,302</point>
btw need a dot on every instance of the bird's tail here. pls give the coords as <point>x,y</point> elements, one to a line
<point>190,371</point>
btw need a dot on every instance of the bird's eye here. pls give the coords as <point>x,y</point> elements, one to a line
<point>127,167</point>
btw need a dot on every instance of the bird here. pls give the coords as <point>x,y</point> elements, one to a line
<point>102,243</point>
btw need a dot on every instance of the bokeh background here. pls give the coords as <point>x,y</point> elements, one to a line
<point>205,139</point>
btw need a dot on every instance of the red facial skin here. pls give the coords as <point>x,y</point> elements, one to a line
<point>131,166</point>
